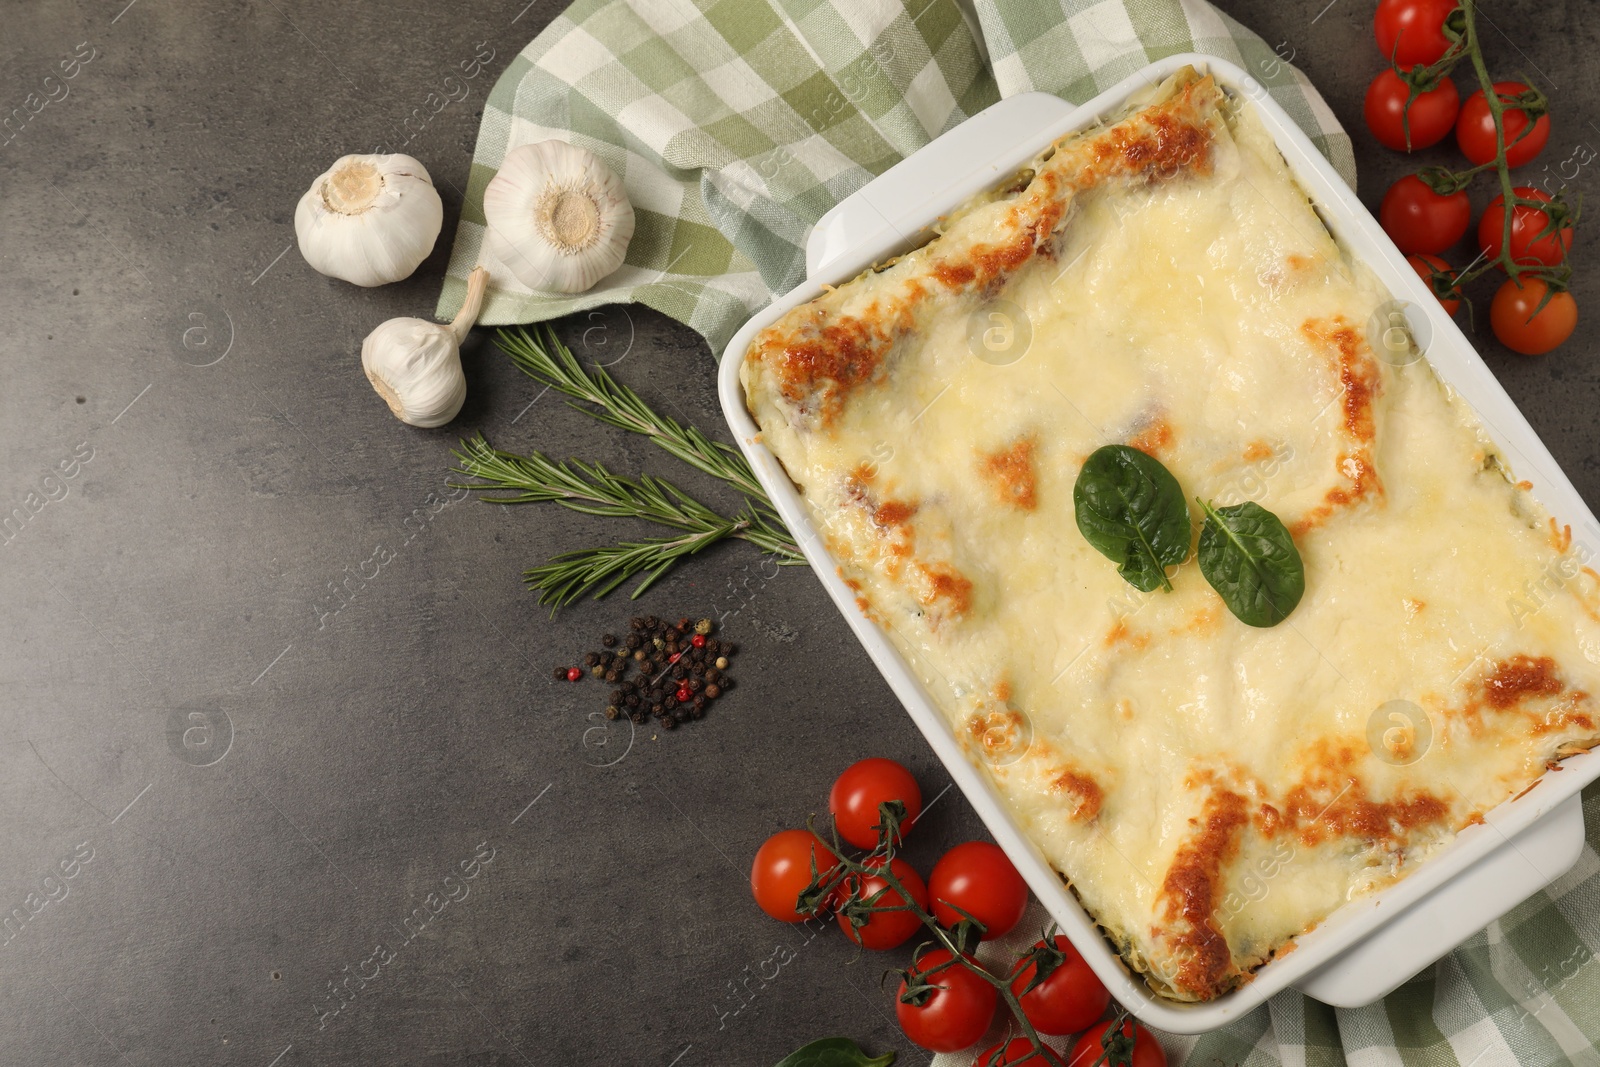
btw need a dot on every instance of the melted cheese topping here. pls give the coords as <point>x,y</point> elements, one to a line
<point>1209,790</point>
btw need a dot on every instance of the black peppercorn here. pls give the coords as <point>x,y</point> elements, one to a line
<point>729,648</point>
<point>631,642</point>
<point>611,675</point>
<point>559,674</point>
<point>700,703</point>
<point>656,708</point>
<point>636,623</point>
<point>668,722</point>
<point>590,659</point>
<point>631,700</point>
<point>609,640</point>
<point>670,703</point>
<point>726,684</point>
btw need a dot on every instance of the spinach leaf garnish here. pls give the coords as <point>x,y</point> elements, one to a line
<point>1131,509</point>
<point>834,1052</point>
<point>1249,558</point>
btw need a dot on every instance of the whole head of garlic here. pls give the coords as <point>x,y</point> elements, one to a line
<point>415,365</point>
<point>557,217</point>
<point>369,219</point>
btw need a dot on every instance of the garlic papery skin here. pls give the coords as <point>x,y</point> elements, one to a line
<point>557,217</point>
<point>415,365</point>
<point>369,220</point>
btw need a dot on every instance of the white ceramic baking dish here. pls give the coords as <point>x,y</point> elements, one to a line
<point>1372,945</point>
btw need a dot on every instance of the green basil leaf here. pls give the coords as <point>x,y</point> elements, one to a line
<point>1249,558</point>
<point>834,1052</point>
<point>1131,509</point>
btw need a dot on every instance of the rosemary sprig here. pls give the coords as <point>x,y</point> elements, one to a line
<point>545,359</point>
<point>508,478</point>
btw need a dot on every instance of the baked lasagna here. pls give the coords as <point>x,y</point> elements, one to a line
<point>1209,790</point>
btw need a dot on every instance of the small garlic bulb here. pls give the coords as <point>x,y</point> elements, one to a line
<point>415,365</point>
<point>369,219</point>
<point>557,217</point>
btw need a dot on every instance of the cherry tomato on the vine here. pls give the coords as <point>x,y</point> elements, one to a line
<point>956,1014</point>
<point>1426,265</point>
<point>887,929</point>
<point>1527,224</point>
<point>978,878</point>
<point>1017,1051</point>
<point>1146,1051</point>
<point>856,794</point>
<point>1418,219</point>
<point>1412,31</point>
<point>1475,128</point>
<point>1524,330</point>
<point>1069,999</point>
<point>782,870</point>
<point>1429,119</point>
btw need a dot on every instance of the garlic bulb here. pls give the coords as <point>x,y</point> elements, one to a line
<point>557,217</point>
<point>369,219</point>
<point>415,365</point>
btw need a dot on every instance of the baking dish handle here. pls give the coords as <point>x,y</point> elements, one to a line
<point>888,212</point>
<point>1413,940</point>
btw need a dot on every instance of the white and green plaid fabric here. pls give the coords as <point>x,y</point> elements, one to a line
<point>736,124</point>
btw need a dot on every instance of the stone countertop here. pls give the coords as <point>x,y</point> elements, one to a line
<point>256,780</point>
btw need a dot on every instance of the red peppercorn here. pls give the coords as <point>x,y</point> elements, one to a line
<point>698,640</point>
<point>574,673</point>
<point>683,694</point>
<point>675,657</point>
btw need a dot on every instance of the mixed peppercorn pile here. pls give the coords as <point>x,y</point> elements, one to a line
<point>679,670</point>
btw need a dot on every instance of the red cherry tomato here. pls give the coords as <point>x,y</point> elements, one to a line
<point>1146,1051</point>
<point>1017,1051</point>
<point>855,797</point>
<point>888,929</point>
<point>956,1014</point>
<point>1527,223</point>
<point>1429,119</point>
<point>1068,1000</point>
<point>977,878</point>
<point>1412,31</point>
<point>1475,128</point>
<point>1418,219</point>
<point>1524,330</point>
<point>1425,266</point>
<point>782,870</point>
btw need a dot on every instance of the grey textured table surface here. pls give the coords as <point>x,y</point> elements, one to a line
<point>266,788</point>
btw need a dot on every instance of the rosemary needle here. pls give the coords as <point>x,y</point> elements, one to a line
<point>545,359</point>
<point>507,478</point>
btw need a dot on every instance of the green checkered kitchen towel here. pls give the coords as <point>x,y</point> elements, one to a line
<point>736,124</point>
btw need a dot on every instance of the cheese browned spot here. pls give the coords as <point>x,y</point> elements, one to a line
<point>1011,473</point>
<point>1085,792</point>
<point>1359,385</point>
<point>1520,677</point>
<point>1192,890</point>
<point>1154,438</point>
